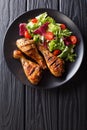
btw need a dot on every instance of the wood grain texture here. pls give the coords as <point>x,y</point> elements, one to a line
<point>41,109</point>
<point>41,105</point>
<point>33,4</point>
<point>24,108</point>
<point>11,90</point>
<point>64,108</point>
<point>73,100</point>
<point>72,108</point>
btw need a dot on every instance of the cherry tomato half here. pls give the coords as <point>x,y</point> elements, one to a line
<point>49,35</point>
<point>63,26</point>
<point>34,20</point>
<point>73,39</point>
<point>27,35</point>
<point>56,52</point>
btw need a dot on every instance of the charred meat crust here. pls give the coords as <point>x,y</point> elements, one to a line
<point>32,70</point>
<point>55,64</point>
<point>29,48</point>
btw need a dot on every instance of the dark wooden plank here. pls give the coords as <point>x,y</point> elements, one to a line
<point>72,108</point>
<point>11,90</point>
<point>31,4</point>
<point>41,109</point>
<point>41,105</point>
<point>64,108</point>
<point>72,100</point>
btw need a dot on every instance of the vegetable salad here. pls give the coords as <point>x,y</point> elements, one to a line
<point>56,37</point>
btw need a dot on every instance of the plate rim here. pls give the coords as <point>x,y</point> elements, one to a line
<point>36,86</point>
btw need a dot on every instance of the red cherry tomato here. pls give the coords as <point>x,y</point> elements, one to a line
<point>56,52</point>
<point>34,20</point>
<point>49,35</point>
<point>63,26</point>
<point>73,39</point>
<point>27,35</point>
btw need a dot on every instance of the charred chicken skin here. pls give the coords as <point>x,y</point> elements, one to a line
<point>29,48</point>
<point>32,70</point>
<point>55,64</point>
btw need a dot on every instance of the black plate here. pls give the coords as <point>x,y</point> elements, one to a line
<point>48,81</point>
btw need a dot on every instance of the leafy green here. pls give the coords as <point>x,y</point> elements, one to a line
<point>54,28</point>
<point>64,52</point>
<point>42,18</point>
<point>71,57</point>
<point>65,32</point>
<point>36,38</point>
<point>56,44</point>
<point>68,53</point>
<point>50,20</point>
<point>30,26</point>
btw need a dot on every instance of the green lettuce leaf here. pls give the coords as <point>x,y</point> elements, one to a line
<point>56,44</point>
<point>68,54</point>
<point>55,28</point>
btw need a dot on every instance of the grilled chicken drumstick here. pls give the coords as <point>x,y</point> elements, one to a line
<point>55,64</point>
<point>29,48</point>
<point>32,70</point>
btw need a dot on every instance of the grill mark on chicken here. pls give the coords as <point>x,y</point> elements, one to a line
<point>25,42</point>
<point>54,62</point>
<point>29,48</point>
<point>56,65</point>
<point>32,70</point>
<point>25,45</point>
<point>49,58</point>
<point>51,61</point>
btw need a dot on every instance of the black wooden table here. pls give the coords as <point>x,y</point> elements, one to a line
<point>25,108</point>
